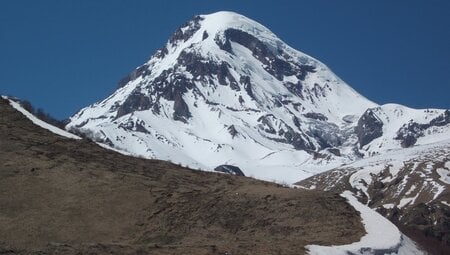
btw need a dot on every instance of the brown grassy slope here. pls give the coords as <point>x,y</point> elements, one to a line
<point>64,196</point>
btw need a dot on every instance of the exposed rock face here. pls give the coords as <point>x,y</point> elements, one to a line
<point>181,110</point>
<point>245,80</point>
<point>327,135</point>
<point>369,127</point>
<point>335,151</point>
<point>274,63</point>
<point>135,102</point>
<point>316,116</point>
<point>410,131</point>
<point>229,169</point>
<point>279,131</point>
<point>232,130</point>
<point>186,31</point>
<point>206,69</point>
<point>432,219</point>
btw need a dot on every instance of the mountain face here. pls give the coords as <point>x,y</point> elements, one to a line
<point>225,90</point>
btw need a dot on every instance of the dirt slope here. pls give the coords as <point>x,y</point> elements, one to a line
<point>63,196</point>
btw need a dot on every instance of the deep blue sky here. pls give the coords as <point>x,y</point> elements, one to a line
<point>64,55</point>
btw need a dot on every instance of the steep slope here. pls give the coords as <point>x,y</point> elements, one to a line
<point>411,187</point>
<point>63,195</point>
<point>226,90</point>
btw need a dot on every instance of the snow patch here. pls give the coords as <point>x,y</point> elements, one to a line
<point>444,175</point>
<point>389,206</point>
<point>408,200</point>
<point>39,122</point>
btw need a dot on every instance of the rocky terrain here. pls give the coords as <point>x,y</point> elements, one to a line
<point>411,187</point>
<point>61,195</point>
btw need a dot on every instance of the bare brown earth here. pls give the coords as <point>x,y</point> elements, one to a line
<point>64,196</point>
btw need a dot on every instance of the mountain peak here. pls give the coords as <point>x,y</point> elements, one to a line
<point>228,84</point>
<point>225,15</point>
<point>225,90</point>
<point>223,20</point>
<point>210,29</point>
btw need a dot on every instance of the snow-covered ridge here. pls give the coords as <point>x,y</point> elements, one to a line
<point>39,122</point>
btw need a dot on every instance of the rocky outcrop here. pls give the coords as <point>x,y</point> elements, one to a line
<point>432,219</point>
<point>134,102</point>
<point>229,169</point>
<point>369,127</point>
<point>205,69</point>
<point>232,130</point>
<point>180,109</point>
<point>279,131</point>
<point>315,116</point>
<point>411,131</point>
<point>326,134</point>
<point>186,30</point>
<point>275,62</point>
<point>245,80</point>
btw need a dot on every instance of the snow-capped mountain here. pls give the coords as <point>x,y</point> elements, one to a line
<point>225,90</point>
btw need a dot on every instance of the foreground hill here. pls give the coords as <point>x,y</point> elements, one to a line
<point>66,196</point>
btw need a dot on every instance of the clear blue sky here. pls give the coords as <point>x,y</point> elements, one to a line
<point>64,55</point>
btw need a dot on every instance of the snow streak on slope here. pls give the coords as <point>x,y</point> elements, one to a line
<point>382,236</point>
<point>39,122</point>
<point>226,90</point>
